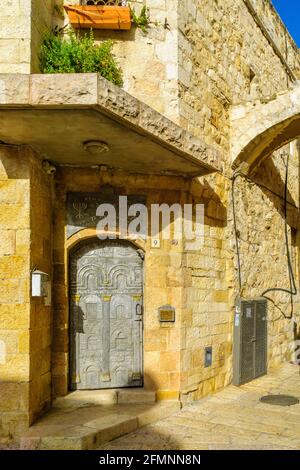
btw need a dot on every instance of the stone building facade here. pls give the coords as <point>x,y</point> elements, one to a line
<point>171,133</point>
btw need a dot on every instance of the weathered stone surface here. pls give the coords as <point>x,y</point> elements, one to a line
<point>123,104</point>
<point>14,396</point>
<point>66,90</point>
<point>14,216</point>
<point>7,242</point>
<point>12,264</point>
<point>155,124</point>
<point>11,291</point>
<point>14,316</point>
<point>76,96</point>
<point>20,231</point>
<point>232,419</point>
<point>15,91</point>
<point>207,58</point>
<point>136,396</point>
<point>15,368</point>
<point>260,127</point>
<point>88,425</point>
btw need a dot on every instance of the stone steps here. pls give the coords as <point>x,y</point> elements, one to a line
<point>93,426</point>
<point>105,397</point>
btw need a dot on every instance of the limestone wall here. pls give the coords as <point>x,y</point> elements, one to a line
<point>212,272</point>
<point>199,58</point>
<point>164,278</point>
<point>209,296</point>
<point>22,26</point>
<point>263,248</point>
<point>225,59</point>
<point>268,17</point>
<point>40,314</point>
<point>14,289</point>
<point>42,16</point>
<point>194,62</point>
<point>15,33</point>
<point>197,284</point>
<point>149,60</point>
<point>25,244</point>
<point>192,68</point>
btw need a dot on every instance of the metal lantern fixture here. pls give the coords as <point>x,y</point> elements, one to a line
<point>39,283</point>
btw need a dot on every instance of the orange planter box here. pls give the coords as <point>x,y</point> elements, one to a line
<point>99,17</point>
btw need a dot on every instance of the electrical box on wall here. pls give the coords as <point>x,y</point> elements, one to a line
<point>250,340</point>
<point>208,356</point>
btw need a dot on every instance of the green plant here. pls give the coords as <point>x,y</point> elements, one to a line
<point>142,20</point>
<point>73,54</point>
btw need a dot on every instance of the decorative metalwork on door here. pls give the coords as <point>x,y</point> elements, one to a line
<point>250,341</point>
<point>106,309</point>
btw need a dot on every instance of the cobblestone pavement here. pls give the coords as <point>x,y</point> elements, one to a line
<point>231,419</point>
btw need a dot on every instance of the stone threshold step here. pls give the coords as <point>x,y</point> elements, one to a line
<point>105,397</point>
<point>92,434</point>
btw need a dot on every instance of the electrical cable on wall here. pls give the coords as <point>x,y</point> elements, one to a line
<point>293,288</point>
<point>235,176</point>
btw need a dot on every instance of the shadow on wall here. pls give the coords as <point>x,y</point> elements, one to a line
<point>116,36</point>
<point>201,192</point>
<point>272,185</point>
<point>14,162</point>
<point>296,351</point>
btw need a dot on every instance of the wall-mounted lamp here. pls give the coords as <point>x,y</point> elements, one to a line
<point>95,147</point>
<point>39,283</point>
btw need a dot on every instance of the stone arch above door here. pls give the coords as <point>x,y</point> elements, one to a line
<point>91,233</point>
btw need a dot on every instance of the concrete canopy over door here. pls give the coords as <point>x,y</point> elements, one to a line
<point>58,114</point>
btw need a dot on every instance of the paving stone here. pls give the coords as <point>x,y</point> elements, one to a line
<point>87,427</point>
<point>232,419</point>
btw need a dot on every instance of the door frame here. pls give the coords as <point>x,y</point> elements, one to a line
<point>86,237</point>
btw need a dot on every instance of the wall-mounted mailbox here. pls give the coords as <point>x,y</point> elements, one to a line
<point>166,314</point>
<point>39,284</point>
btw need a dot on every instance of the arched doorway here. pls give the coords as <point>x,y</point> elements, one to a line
<point>106,321</point>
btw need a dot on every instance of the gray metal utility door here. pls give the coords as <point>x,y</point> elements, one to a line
<point>253,340</point>
<point>106,288</point>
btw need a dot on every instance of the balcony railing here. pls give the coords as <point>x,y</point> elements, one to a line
<point>117,3</point>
